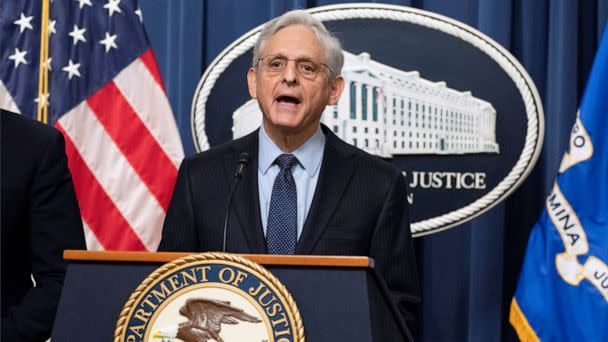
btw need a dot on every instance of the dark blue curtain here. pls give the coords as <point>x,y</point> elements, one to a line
<point>468,273</point>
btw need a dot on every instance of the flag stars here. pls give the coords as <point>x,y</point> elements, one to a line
<point>109,42</point>
<point>77,34</point>
<point>18,57</point>
<point>44,99</point>
<point>52,27</point>
<point>47,64</point>
<point>82,3</point>
<point>72,69</point>
<point>112,6</point>
<point>24,23</point>
<point>139,14</point>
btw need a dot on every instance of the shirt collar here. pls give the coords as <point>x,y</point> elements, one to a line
<point>309,154</point>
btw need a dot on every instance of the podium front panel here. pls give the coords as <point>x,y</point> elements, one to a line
<point>334,302</point>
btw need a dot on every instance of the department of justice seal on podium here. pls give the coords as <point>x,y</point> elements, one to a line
<point>210,297</point>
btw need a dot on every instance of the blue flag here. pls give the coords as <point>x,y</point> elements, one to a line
<point>562,293</point>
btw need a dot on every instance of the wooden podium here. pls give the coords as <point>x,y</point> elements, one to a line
<point>339,298</point>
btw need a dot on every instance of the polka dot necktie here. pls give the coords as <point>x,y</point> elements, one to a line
<point>282,228</point>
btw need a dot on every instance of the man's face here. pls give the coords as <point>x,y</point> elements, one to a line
<point>292,104</point>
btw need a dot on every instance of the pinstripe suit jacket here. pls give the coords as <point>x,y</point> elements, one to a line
<point>359,208</point>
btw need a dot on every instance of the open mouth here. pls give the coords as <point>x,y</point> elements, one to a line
<point>288,99</point>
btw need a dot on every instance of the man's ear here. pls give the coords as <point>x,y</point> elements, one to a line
<point>335,90</point>
<point>251,83</point>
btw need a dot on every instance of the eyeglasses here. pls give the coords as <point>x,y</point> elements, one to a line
<point>306,67</point>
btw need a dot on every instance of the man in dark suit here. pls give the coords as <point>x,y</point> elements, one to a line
<point>40,219</point>
<point>305,191</point>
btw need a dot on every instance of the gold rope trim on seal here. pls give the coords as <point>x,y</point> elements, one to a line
<point>520,323</point>
<point>43,75</point>
<point>212,256</point>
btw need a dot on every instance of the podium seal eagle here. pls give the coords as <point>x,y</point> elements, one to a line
<point>210,297</point>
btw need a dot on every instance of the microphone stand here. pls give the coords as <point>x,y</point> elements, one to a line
<point>242,163</point>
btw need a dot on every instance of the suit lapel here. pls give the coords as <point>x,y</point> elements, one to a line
<point>246,203</point>
<point>335,174</point>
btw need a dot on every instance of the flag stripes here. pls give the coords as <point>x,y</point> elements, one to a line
<point>91,239</point>
<point>97,209</point>
<point>134,141</point>
<point>147,58</point>
<point>138,86</point>
<point>138,198</point>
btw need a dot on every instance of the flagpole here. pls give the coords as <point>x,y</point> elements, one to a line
<point>43,74</point>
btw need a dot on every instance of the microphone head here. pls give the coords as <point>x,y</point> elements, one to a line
<point>244,158</point>
<point>242,163</point>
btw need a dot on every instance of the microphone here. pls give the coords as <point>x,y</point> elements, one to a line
<point>240,167</point>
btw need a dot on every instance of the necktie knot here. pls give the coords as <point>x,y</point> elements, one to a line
<point>286,161</point>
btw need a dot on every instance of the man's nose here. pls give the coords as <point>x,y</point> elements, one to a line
<point>290,74</point>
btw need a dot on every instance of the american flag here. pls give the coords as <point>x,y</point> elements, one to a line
<point>107,98</point>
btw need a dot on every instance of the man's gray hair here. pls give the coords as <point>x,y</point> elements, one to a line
<point>329,42</point>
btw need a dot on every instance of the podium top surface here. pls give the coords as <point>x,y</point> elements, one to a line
<point>262,259</point>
